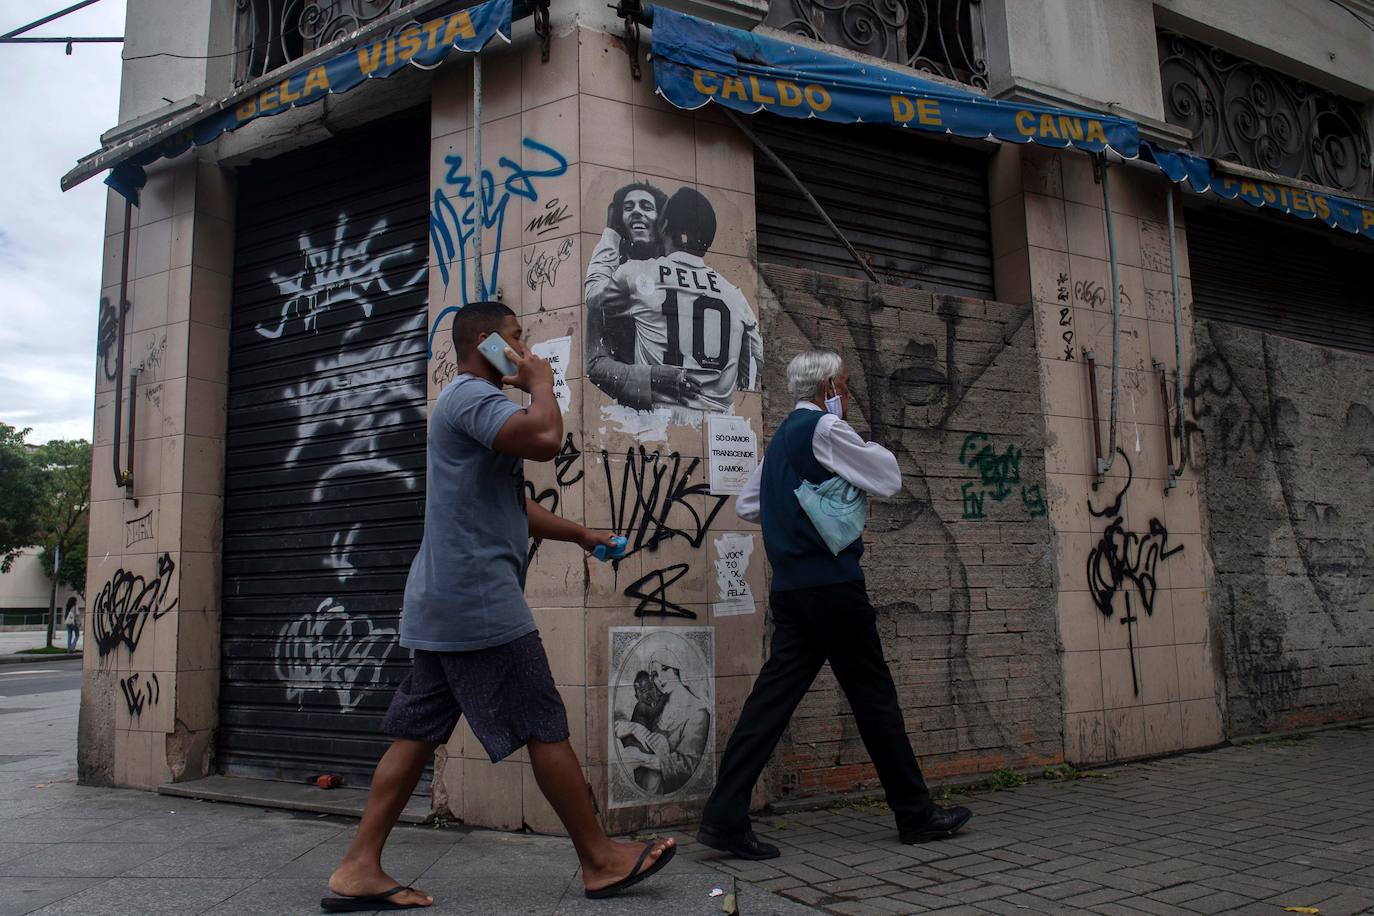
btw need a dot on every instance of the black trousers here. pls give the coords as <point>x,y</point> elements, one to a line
<point>834,623</point>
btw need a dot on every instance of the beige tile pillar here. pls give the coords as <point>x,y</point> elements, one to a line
<point>1139,675</point>
<point>581,128</point>
<point>151,670</point>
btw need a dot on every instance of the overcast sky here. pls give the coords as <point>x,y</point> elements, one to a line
<point>54,108</point>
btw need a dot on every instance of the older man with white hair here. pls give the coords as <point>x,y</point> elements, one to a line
<point>821,613</point>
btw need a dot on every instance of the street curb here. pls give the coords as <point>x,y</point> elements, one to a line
<point>37,659</point>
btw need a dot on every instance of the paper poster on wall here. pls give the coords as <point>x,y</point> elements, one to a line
<point>557,351</point>
<point>733,455</point>
<point>733,551</point>
<point>662,714</point>
<point>664,328</point>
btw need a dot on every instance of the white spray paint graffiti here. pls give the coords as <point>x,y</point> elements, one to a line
<point>331,649</point>
<point>351,398</point>
<point>335,275</point>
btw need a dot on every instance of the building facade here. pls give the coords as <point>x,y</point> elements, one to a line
<point>26,592</point>
<point>290,288</point>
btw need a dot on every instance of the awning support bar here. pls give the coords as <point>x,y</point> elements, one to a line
<point>1104,463</point>
<point>49,18</point>
<point>792,177</point>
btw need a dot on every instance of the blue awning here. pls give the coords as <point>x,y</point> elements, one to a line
<point>425,45</point>
<point>696,62</point>
<point>1197,175</point>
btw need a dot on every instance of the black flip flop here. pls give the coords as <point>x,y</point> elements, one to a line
<point>367,903</point>
<point>635,875</point>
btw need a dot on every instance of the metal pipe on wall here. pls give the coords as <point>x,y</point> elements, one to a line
<point>1176,471</point>
<point>1091,361</point>
<point>796,182</point>
<point>122,477</point>
<point>477,169</point>
<point>1104,463</point>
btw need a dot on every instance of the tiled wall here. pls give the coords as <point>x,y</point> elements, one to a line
<point>151,673</point>
<point>1145,561</point>
<point>582,128</point>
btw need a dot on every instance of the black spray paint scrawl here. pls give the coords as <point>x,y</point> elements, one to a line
<point>1125,562</point>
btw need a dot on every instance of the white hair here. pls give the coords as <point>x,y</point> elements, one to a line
<point>808,369</point>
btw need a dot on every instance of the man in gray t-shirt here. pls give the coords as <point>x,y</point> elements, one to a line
<point>465,586</point>
<point>477,652</point>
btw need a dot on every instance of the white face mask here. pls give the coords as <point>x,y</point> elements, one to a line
<point>833,404</point>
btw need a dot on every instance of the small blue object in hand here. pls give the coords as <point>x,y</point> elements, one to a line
<point>615,552</point>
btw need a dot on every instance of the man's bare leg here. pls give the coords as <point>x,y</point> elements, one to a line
<point>604,861</point>
<point>361,872</point>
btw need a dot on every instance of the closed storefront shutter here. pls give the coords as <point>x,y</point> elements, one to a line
<point>325,452</point>
<point>1273,274</point>
<point>916,208</point>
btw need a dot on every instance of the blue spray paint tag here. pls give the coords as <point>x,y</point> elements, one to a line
<point>615,552</point>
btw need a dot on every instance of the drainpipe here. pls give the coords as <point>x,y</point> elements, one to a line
<point>1104,462</point>
<point>477,168</point>
<point>123,478</point>
<point>1176,471</point>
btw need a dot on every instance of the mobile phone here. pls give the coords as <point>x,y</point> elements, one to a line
<point>493,347</point>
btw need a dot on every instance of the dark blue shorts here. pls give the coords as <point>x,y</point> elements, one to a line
<point>507,693</point>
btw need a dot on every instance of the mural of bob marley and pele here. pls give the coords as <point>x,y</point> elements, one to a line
<point>664,328</point>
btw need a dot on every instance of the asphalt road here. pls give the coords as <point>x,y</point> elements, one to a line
<point>42,677</point>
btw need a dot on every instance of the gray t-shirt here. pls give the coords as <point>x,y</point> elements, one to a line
<point>466,585</point>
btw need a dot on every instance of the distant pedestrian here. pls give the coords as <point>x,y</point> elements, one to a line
<point>72,620</point>
<point>477,651</point>
<point>821,613</point>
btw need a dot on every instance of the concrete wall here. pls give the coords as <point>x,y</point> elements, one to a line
<point>1282,435</point>
<point>1313,39</point>
<point>1102,52</point>
<point>960,564</point>
<point>199,31</point>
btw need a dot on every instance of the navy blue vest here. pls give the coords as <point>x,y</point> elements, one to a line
<point>795,548</point>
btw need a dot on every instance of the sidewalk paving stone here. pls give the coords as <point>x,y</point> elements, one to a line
<point>1244,829</point>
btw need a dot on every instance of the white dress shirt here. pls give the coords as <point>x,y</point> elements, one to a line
<point>867,465</point>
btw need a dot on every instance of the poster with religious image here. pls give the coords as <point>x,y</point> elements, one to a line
<point>662,714</point>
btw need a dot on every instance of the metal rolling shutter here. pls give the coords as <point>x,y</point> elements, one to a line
<point>1305,282</point>
<point>917,207</point>
<point>325,452</point>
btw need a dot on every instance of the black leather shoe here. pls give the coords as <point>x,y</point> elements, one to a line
<point>743,845</point>
<point>943,823</point>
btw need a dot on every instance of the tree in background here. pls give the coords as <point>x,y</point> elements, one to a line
<point>63,513</point>
<point>21,494</point>
<point>45,501</point>
<point>63,521</point>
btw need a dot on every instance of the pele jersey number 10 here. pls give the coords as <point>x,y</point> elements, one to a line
<point>705,321</point>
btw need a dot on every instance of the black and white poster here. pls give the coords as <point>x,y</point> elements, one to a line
<point>664,328</point>
<point>662,715</point>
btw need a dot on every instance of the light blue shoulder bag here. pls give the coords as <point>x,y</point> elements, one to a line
<point>837,508</point>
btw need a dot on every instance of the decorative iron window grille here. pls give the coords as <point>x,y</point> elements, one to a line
<point>1246,113</point>
<point>271,33</point>
<point>938,36</point>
